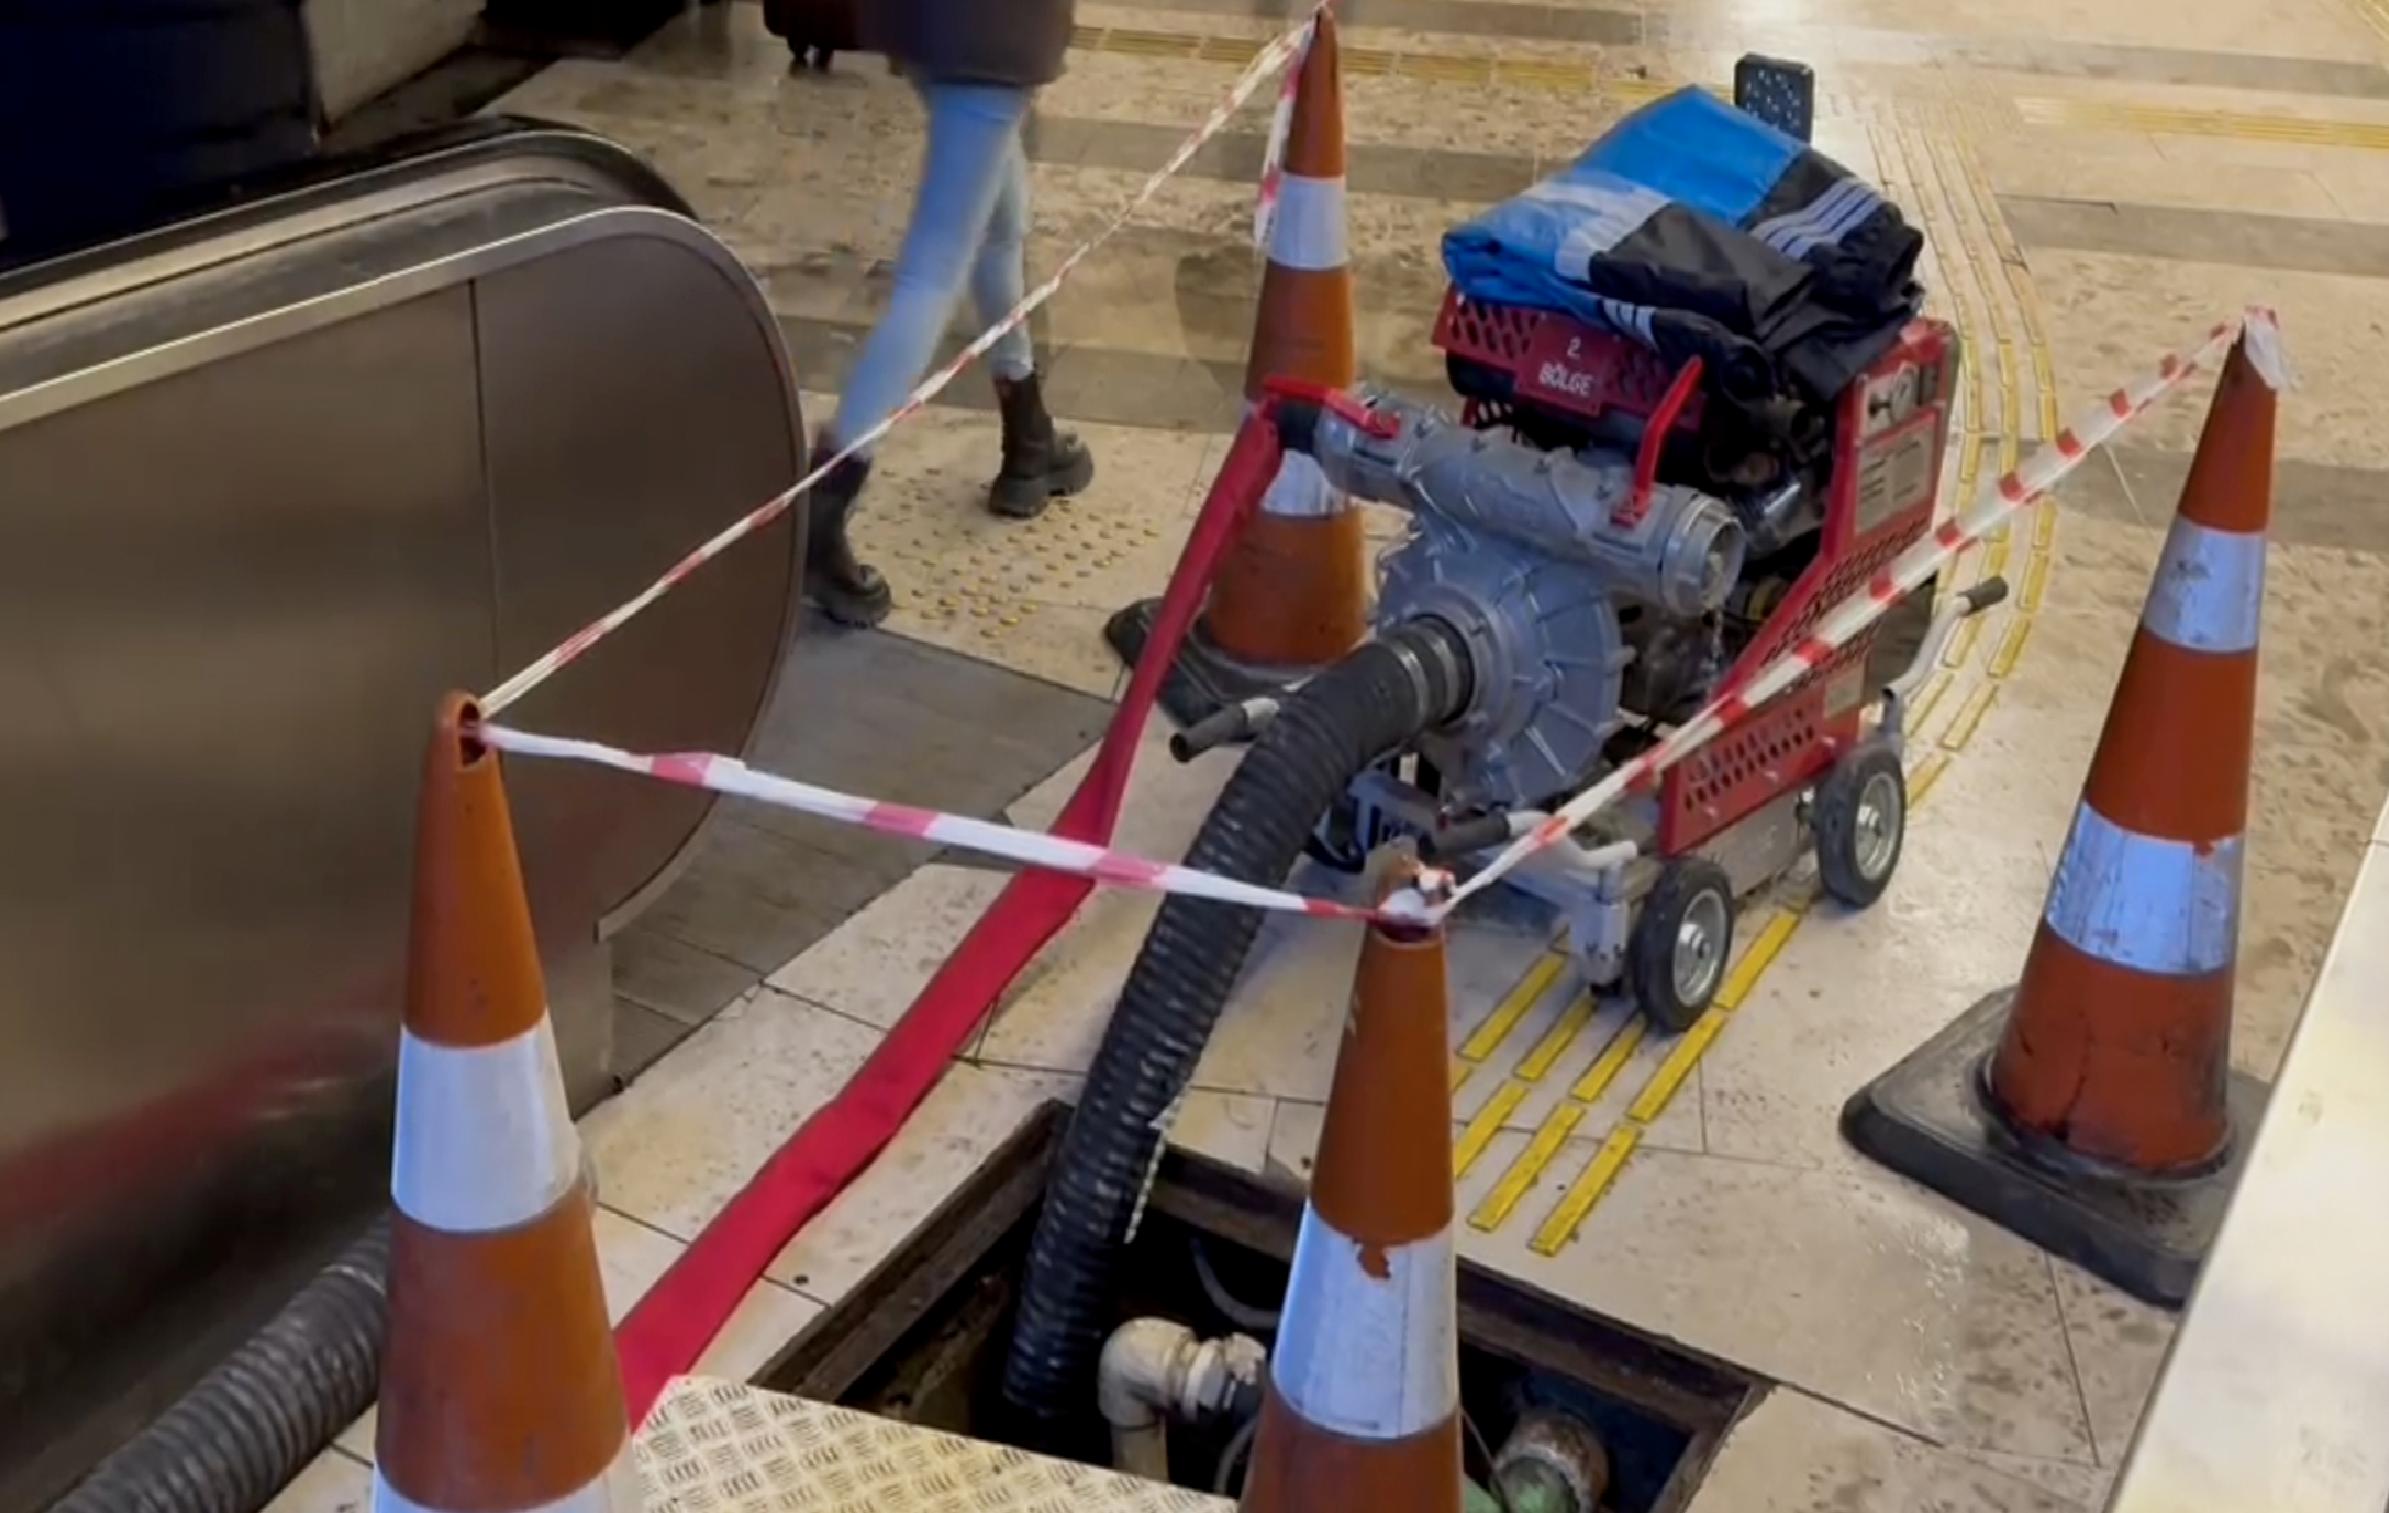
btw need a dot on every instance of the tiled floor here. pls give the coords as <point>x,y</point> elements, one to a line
<point>2097,184</point>
<point>913,723</point>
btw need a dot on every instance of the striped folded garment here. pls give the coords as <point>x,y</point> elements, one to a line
<point>1700,231</point>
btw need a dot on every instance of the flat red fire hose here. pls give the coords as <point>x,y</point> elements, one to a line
<point>681,1314</point>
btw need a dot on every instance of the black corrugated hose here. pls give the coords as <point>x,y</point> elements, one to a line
<point>1384,694</point>
<point>249,1426</point>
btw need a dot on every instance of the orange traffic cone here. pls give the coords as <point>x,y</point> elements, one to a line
<point>2091,1107</point>
<point>499,1385</point>
<point>1363,1403</point>
<point>1292,592</point>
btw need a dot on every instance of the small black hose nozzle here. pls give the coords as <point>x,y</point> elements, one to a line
<point>1984,595</point>
<point>1230,724</point>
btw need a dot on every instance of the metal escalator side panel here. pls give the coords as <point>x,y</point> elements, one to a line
<point>293,494</point>
<point>327,191</point>
<point>514,160</point>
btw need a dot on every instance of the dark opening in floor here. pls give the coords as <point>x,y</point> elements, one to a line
<point>921,1340</point>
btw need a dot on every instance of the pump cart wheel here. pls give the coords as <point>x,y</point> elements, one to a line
<point>1681,941</point>
<point>1861,820</point>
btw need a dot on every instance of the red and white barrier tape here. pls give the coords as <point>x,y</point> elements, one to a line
<point>1281,127</point>
<point>1998,499</point>
<point>1271,58</point>
<point>1053,853</point>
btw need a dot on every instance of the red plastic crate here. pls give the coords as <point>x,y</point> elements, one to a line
<point>1558,363</point>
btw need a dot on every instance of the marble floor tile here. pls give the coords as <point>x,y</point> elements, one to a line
<point>1852,993</point>
<point>1181,279</point>
<point>1166,801</point>
<point>675,1146</point>
<point>971,1112</point>
<point>1053,1017</point>
<point>1230,1128</point>
<point>2035,163</point>
<point>721,44</point>
<point>674,978</point>
<point>634,1256</point>
<point>1849,1287</point>
<point>1796,1454</point>
<point>2118,1344</point>
<point>874,965</point>
<point>1279,1031</point>
<point>2085,1487</point>
<point>334,1482</point>
<point>2111,317</point>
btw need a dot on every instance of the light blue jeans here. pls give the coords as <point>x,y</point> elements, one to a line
<point>969,220</point>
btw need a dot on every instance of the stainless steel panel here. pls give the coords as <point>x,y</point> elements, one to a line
<point>226,601</point>
<point>590,396</point>
<point>267,485</point>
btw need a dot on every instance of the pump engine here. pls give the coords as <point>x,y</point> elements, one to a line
<point>1585,597</point>
<point>1606,551</point>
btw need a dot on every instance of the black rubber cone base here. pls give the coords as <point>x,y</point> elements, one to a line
<point>1926,1119</point>
<point>1204,679</point>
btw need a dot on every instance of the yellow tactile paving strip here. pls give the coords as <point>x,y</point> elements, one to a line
<point>1594,78</point>
<point>2007,394</point>
<point>2235,125</point>
<point>1424,64</point>
<point>1558,1226</point>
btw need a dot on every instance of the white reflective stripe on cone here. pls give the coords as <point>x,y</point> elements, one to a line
<point>483,1141</point>
<point>618,1491</point>
<point>1369,1351</point>
<point>1309,230</point>
<point>1301,488</point>
<point>2152,905</point>
<point>2209,594</point>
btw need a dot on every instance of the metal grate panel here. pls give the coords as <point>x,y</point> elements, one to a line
<point>724,1447</point>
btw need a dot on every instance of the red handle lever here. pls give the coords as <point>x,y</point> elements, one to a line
<point>1654,438</point>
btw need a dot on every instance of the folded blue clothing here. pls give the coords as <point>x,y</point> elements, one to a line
<point>1701,231</point>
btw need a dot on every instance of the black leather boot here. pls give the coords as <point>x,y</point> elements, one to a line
<point>1041,463</point>
<point>848,590</point>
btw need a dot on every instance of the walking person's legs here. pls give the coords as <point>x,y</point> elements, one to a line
<point>973,139</point>
<point>1040,462</point>
<point>998,271</point>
